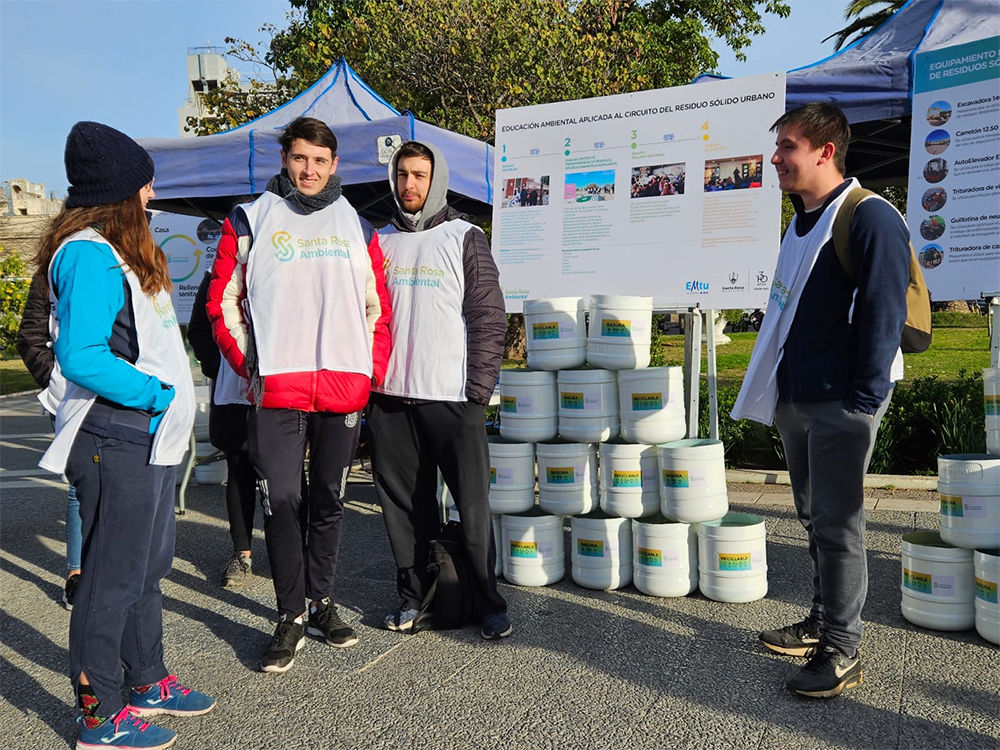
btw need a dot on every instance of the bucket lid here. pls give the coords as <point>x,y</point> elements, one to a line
<point>646,373</point>
<point>658,518</point>
<point>736,519</point>
<point>618,445</point>
<point>533,512</point>
<point>553,304</point>
<point>927,539</point>
<point>690,443</point>
<point>621,300</point>
<point>527,377</point>
<point>598,514</point>
<point>586,375</point>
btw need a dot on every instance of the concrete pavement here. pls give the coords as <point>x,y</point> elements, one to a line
<point>583,668</point>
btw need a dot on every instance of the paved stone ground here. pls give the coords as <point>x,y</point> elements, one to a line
<point>583,669</point>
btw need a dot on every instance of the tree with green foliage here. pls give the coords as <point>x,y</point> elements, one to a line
<point>864,17</point>
<point>13,294</point>
<point>455,62</point>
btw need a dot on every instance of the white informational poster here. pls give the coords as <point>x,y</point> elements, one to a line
<point>953,206</point>
<point>665,193</point>
<point>190,243</point>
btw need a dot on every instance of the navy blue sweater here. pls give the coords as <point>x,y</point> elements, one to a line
<point>826,357</point>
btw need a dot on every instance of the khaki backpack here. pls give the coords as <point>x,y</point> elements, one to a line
<point>917,329</point>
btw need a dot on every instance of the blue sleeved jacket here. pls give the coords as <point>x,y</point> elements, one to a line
<point>97,345</point>
<point>831,353</point>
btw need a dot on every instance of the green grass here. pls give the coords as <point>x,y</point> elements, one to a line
<point>951,350</point>
<point>14,377</point>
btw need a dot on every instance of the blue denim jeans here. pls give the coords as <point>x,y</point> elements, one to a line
<point>127,513</point>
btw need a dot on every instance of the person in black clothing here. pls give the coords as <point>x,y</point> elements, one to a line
<point>448,330</point>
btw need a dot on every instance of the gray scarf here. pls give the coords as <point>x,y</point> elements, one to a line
<point>281,185</point>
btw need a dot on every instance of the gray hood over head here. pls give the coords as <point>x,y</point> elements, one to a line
<point>437,194</point>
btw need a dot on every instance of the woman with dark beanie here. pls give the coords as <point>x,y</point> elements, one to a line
<point>121,429</point>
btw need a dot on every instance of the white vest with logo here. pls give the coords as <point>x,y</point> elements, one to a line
<point>426,283</point>
<point>161,354</point>
<point>305,281</point>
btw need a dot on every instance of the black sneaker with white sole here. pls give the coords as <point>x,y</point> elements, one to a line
<point>827,674</point>
<point>325,623</point>
<point>800,639</point>
<point>288,639</point>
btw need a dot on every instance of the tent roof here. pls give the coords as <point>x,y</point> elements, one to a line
<point>871,80</point>
<point>210,174</point>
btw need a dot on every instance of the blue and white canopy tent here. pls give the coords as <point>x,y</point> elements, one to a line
<point>872,79</point>
<point>208,175</point>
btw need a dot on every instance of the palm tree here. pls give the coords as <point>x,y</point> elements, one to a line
<point>866,17</point>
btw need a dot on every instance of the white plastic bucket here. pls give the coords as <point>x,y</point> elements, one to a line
<point>215,472</point>
<point>528,400</point>
<point>652,405</point>
<point>444,497</point>
<point>991,405</point>
<point>969,485</point>
<point>619,332</point>
<point>555,333</point>
<point>732,558</point>
<point>628,479</point>
<point>693,480</point>
<point>986,565</point>
<point>533,549</point>
<point>202,405</point>
<point>512,475</point>
<point>567,478</point>
<point>588,405</point>
<point>938,583</point>
<point>665,556</point>
<point>454,515</point>
<point>602,551</point>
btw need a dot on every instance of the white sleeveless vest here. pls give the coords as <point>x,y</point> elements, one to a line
<point>426,283</point>
<point>161,354</point>
<point>305,282</point>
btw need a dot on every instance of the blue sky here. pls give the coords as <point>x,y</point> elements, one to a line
<point>122,62</point>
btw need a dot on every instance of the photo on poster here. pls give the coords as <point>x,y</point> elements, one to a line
<point>656,180</point>
<point>936,170</point>
<point>930,256</point>
<point>209,230</point>
<point>932,227</point>
<point>937,142</point>
<point>938,113</point>
<point>586,187</point>
<point>521,192</point>
<point>733,173</point>
<point>934,199</point>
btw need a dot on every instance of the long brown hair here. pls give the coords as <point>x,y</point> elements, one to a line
<point>125,227</point>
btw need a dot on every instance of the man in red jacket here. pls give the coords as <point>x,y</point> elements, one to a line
<point>299,307</point>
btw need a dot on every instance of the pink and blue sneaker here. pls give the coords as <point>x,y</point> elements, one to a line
<point>172,699</point>
<point>124,731</point>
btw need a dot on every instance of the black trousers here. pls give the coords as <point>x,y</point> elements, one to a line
<point>227,429</point>
<point>277,440</point>
<point>409,443</point>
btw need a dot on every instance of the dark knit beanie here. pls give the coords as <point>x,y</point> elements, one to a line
<point>103,165</point>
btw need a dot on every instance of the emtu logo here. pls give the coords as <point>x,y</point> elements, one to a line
<point>697,287</point>
<point>282,242</point>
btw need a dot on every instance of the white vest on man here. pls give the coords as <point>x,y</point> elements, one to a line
<point>305,282</point>
<point>161,354</point>
<point>426,283</point>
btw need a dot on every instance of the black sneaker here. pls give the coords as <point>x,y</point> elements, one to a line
<point>325,623</point>
<point>237,572</point>
<point>827,674</point>
<point>800,639</point>
<point>288,639</point>
<point>496,626</point>
<point>69,592</point>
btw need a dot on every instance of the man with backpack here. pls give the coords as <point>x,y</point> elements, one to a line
<point>823,369</point>
<point>448,330</point>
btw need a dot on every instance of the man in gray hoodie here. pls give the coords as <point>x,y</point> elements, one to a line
<point>448,330</point>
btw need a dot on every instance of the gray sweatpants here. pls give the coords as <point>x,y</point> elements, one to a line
<point>827,449</point>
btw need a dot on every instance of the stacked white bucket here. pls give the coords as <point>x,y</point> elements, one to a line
<point>950,578</point>
<point>653,487</point>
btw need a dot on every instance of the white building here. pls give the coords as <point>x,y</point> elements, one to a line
<point>23,198</point>
<point>206,70</point>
